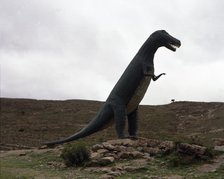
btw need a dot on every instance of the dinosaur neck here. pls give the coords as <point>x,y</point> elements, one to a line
<point>148,50</point>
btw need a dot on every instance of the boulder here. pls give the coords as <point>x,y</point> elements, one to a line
<point>218,141</point>
<point>95,155</point>
<point>191,149</point>
<point>102,151</point>
<point>136,154</point>
<point>107,159</point>
<point>97,147</point>
<point>108,146</point>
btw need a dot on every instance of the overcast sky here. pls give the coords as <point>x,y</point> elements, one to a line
<point>70,49</point>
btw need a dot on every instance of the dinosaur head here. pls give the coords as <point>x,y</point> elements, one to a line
<point>163,39</point>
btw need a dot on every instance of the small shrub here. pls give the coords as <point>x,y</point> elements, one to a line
<point>188,155</point>
<point>195,139</point>
<point>75,154</point>
<point>176,160</point>
<point>210,153</point>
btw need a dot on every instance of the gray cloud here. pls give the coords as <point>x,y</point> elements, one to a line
<point>78,49</point>
<point>27,25</point>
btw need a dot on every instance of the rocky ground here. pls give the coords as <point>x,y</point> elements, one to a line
<point>121,158</point>
<point>130,155</point>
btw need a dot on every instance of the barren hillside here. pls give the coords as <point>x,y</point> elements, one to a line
<point>27,122</point>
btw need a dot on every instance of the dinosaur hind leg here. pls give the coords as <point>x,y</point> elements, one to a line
<point>120,117</point>
<point>133,123</point>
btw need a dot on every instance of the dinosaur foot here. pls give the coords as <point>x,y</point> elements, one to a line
<point>133,137</point>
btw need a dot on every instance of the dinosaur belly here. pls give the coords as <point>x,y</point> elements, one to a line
<point>139,94</point>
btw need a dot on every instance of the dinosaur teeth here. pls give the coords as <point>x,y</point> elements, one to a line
<point>174,46</point>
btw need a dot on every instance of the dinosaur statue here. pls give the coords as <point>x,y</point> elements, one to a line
<point>128,92</point>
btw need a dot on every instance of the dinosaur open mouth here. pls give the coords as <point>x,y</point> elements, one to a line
<point>173,47</point>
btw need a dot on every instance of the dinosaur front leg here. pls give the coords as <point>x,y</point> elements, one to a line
<point>133,123</point>
<point>154,77</point>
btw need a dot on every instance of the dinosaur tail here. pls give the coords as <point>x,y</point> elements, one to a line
<point>103,118</point>
<point>83,133</point>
